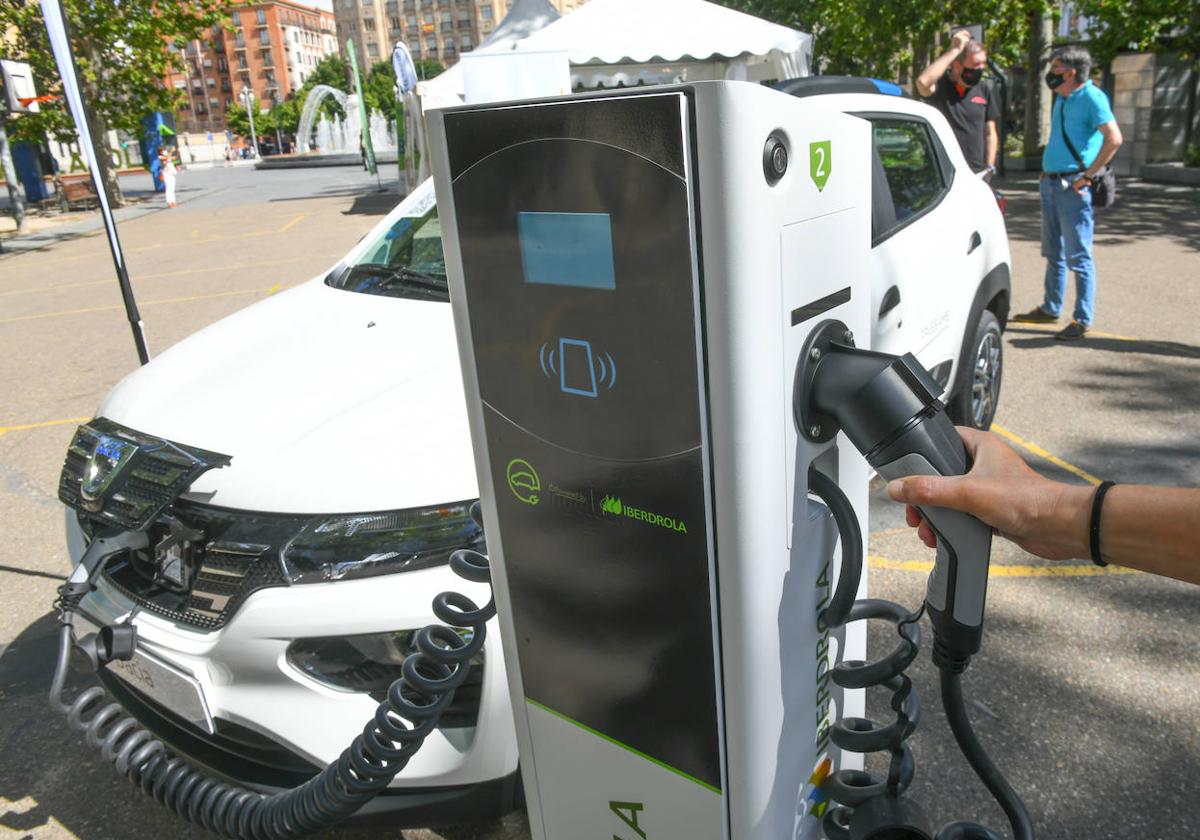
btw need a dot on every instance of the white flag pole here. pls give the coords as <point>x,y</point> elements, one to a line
<point>60,43</point>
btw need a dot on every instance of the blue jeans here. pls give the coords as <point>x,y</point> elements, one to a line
<point>1067,244</point>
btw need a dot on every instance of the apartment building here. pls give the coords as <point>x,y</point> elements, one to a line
<point>438,29</point>
<point>271,49</point>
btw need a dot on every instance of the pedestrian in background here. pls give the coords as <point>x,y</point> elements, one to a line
<point>1084,136</point>
<point>954,85</point>
<point>166,168</point>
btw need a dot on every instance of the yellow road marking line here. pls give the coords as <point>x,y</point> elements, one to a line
<point>270,291</point>
<point>1003,570</point>
<point>42,425</point>
<point>106,254</point>
<point>1042,453</point>
<point>159,276</point>
<point>299,217</point>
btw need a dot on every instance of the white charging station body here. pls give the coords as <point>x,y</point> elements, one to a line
<point>631,285</point>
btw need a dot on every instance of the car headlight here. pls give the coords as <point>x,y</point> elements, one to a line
<point>365,545</point>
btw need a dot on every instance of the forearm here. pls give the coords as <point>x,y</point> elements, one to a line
<point>1154,529</point>
<point>1112,142</point>
<point>991,144</point>
<point>929,76</point>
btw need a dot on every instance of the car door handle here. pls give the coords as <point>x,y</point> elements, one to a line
<point>976,241</point>
<point>891,299</point>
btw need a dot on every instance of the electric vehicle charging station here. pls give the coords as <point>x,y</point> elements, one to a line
<point>656,296</point>
<point>633,278</point>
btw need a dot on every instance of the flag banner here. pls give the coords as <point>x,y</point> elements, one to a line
<point>368,148</point>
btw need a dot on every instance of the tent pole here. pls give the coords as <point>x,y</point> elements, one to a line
<point>60,43</point>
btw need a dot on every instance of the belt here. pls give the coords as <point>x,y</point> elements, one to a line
<point>1062,174</point>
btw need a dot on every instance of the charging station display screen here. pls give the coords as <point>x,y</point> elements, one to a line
<point>567,249</point>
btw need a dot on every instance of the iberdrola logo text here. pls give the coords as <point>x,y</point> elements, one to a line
<point>614,506</point>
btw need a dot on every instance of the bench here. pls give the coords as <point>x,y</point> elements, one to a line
<point>79,188</point>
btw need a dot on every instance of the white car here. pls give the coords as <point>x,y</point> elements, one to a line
<point>304,468</point>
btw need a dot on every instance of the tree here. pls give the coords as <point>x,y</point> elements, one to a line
<point>1143,25</point>
<point>427,68</point>
<point>123,49</point>
<point>237,118</point>
<point>379,89</point>
<point>285,115</point>
<point>330,70</point>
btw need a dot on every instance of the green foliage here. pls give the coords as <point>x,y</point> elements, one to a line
<point>238,120</point>
<point>427,68</point>
<point>330,70</point>
<point>1192,156</point>
<point>121,49</point>
<point>379,89</point>
<point>880,37</point>
<point>286,115</point>
<point>1143,25</point>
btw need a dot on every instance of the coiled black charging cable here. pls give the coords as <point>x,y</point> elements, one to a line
<point>411,710</point>
<point>859,794</point>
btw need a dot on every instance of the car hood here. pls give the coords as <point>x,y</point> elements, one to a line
<point>327,401</point>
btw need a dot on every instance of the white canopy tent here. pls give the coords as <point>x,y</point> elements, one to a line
<point>612,43</point>
<point>523,19</point>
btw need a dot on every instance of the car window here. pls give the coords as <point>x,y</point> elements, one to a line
<point>911,165</point>
<point>404,260</point>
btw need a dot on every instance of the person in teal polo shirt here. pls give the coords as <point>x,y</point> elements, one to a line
<point>1081,110</point>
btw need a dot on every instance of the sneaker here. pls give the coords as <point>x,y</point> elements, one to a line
<point>1037,315</point>
<point>1072,332</point>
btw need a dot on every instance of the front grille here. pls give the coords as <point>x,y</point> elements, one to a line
<point>157,472</point>
<point>238,556</point>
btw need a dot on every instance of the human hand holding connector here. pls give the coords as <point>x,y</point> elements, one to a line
<point>1141,527</point>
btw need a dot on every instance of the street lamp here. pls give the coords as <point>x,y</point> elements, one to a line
<point>248,98</point>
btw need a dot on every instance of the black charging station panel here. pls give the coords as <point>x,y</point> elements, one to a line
<point>582,284</point>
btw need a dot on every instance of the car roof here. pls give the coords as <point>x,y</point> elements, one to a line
<point>823,85</point>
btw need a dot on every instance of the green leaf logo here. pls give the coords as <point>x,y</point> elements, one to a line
<point>820,162</point>
<point>611,504</point>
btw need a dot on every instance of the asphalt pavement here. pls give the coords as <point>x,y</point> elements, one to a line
<point>1087,692</point>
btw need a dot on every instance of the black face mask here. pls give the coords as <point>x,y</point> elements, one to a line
<point>1053,80</point>
<point>971,76</point>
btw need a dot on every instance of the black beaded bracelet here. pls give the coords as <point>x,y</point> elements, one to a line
<point>1094,529</point>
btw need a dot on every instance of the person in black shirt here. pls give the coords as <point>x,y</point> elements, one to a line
<point>954,85</point>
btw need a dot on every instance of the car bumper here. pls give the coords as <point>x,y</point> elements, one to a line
<point>266,724</point>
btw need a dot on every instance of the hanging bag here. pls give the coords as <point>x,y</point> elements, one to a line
<point>1104,185</point>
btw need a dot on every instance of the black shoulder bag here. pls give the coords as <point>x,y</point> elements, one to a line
<point>1104,185</point>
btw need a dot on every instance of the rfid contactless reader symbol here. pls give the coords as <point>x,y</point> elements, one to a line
<point>523,481</point>
<point>578,368</point>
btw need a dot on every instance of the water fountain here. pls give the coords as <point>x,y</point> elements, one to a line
<point>322,141</point>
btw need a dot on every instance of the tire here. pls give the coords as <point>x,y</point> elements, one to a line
<point>976,389</point>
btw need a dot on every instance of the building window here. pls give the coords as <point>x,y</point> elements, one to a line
<point>264,36</point>
<point>225,87</point>
<point>414,46</point>
<point>222,64</point>
<point>261,16</point>
<point>210,82</point>
<point>395,22</point>
<point>373,50</point>
<point>465,42</point>
<point>486,13</point>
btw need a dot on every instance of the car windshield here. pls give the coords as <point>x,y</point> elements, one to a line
<point>404,261</point>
